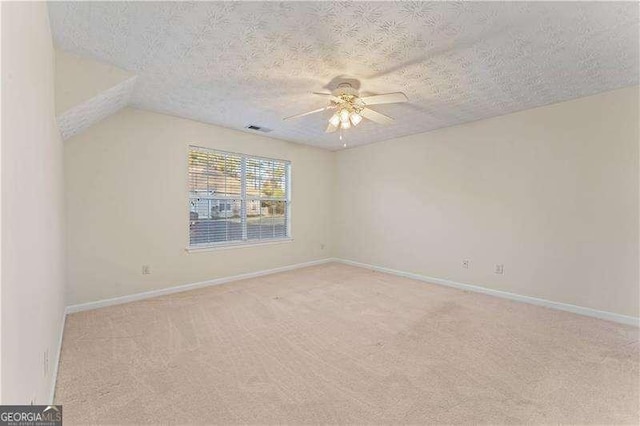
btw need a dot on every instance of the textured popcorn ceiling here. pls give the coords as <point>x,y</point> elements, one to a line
<point>235,64</point>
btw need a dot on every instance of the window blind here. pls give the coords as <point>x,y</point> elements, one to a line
<point>236,198</point>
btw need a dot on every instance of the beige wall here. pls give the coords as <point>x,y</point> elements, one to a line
<point>32,206</point>
<point>127,205</point>
<point>551,193</point>
<point>80,79</point>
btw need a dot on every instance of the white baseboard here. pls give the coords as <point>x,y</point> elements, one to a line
<point>54,377</point>
<point>177,289</point>
<point>610,316</point>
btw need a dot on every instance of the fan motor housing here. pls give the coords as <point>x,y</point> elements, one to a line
<point>344,89</point>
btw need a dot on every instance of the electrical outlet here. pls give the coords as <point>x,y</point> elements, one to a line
<point>499,269</point>
<point>146,269</point>
<point>465,263</point>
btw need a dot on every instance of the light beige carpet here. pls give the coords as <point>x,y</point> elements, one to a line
<point>336,344</point>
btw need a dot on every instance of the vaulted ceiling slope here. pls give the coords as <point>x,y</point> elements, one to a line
<point>241,63</point>
<point>88,91</point>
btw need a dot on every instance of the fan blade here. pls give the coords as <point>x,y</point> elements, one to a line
<point>306,113</point>
<point>376,117</point>
<point>387,98</point>
<point>331,128</point>
<point>333,98</point>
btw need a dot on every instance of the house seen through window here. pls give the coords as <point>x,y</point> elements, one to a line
<point>236,198</point>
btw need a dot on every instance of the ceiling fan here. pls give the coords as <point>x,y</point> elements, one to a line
<point>351,108</point>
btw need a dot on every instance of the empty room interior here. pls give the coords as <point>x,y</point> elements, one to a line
<point>320,213</point>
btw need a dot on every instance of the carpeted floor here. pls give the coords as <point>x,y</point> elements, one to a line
<point>336,344</point>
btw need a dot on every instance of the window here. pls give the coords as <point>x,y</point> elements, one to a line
<point>236,198</point>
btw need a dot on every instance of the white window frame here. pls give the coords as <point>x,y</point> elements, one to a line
<point>245,242</point>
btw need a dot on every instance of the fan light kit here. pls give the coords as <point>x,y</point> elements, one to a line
<point>350,108</point>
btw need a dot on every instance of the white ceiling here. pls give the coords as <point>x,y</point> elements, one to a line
<point>235,64</point>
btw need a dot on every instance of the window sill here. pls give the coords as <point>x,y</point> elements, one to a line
<point>215,247</point>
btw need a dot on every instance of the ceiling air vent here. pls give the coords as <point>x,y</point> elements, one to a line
<point>258,128</point>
